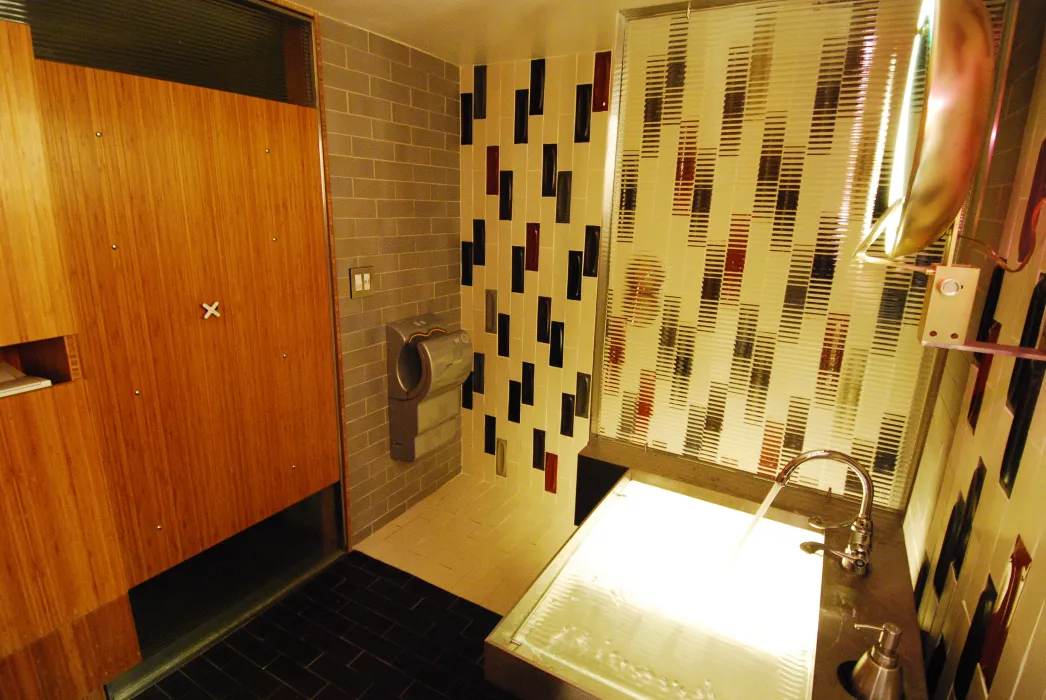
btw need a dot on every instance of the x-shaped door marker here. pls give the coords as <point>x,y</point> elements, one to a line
<point>211,310</point>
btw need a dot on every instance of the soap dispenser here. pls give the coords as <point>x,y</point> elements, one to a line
<point>877,675</point>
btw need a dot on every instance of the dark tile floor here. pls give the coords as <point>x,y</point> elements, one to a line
<point>358,629</point>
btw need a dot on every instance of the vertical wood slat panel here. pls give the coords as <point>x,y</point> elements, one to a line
<point>59,558</point>
<point>34,303</point>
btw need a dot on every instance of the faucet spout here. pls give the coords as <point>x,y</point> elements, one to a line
<point>855,558</point>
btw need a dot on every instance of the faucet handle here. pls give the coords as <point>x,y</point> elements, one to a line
<point>819,523</point>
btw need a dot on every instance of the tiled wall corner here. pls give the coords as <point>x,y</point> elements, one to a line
<point>392,124</point>
<point>980,584</point>
<point>532,178</point>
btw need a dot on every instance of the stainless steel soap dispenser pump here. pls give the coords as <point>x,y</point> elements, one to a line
<point>877,675</point>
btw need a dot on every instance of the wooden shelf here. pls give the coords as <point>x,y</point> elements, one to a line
<point>53,358</point>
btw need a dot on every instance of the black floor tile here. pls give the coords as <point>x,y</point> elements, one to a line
<point>420,692</point>
<point>386,677</point>
<point>220,654</point>
<point>332,693</point>
<point>258,681</point>
<point>374,643</point>
<point>209,677</point>
<point>296,676</point>
<point>341,676</point>
<point>251,647</point>
<point>344,652</point>
<point>153,693</point>
<point>176,685</point>
<point>360,629</point>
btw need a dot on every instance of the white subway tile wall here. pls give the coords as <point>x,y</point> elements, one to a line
<point>975,524</point>
<point>532,182</point>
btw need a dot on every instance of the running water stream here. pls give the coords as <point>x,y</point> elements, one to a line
<point>765,506</point>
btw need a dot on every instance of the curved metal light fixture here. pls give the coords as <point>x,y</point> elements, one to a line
<point>959,80</point>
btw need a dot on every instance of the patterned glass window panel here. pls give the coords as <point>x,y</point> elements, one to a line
<point>752,143</point>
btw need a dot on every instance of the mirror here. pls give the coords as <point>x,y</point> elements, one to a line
<point>941,127</point>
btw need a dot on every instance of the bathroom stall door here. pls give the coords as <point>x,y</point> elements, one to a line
<point>171,199</point>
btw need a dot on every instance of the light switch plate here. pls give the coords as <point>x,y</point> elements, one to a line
<point>362,282</point>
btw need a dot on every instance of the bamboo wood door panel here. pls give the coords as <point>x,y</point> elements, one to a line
<point>169,196</point>
<point>74,661</point>
<point>59,557</point>
<point>34,303</point>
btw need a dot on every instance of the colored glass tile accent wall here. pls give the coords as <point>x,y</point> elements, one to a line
<point>974,527</point>
<point>539,202</point>
<point>739,331</point>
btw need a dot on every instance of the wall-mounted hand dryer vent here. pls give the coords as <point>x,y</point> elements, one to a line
<point>426,366</point>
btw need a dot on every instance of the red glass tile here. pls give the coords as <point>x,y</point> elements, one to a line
<point>551,467</point>
<point>533,246</point>
<point>601,83</point>
<point>493,172</point>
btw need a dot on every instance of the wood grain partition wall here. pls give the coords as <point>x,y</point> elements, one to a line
<point>169,197</point>
<point>33,299</point>
<point>127,204</point>
<point>65,622</point>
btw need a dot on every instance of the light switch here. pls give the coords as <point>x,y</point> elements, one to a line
<point>362,282</point>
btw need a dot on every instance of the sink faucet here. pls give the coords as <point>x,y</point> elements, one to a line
<point>855,557</point>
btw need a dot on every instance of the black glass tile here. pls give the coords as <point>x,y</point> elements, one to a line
<point>991,303</point>
<point>466,392</point>
<point>591,265</point>
<point>515,391</point>
<point>584,382</point>
<point>521,130</point>
<point>973,648</point>
<point>505,196</point>
<point>467,110</point>
<point>490,318</point>
<point>575,263</point>
<point>544,319</point>
<point>479,91</point>
<point>466,263</point>
<point>537,86</point>
<point>566,416</point>
<point>973,499</point>
<point>528,384</point>
<point>549,169</point>
<point>477,372</point>
<point>519,260</point>
<point>948,547</point>
<point>479,242</point>
<point>503,335</point>
<point>555,352</point>
<point>490,434</point>
<point>563,183</point>
<point>583,114</point>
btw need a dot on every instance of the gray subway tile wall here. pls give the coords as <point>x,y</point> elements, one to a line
<point>393,125</point>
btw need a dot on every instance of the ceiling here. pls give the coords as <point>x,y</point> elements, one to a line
<point>467,32</point>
